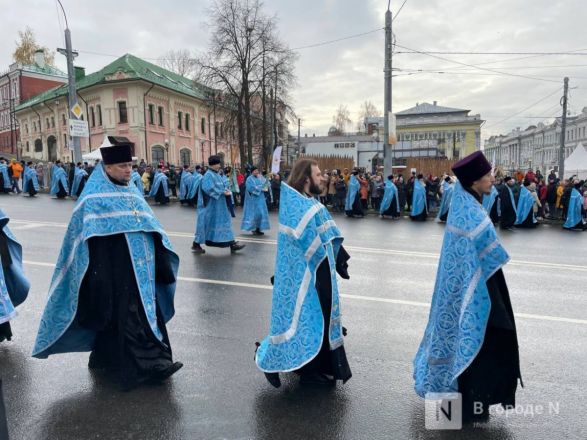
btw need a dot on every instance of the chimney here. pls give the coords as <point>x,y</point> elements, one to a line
<point>39,58</point>
<point>435,103</point>
<point>80,72</point>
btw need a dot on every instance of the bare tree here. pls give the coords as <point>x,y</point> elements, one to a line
<point>180,62</point>
<point>342,119</point>
<point>367,110</point>
<point>24,52</point>
<point>244,52</point>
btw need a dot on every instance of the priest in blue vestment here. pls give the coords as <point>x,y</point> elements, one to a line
<point>390,204</point>
<point>114,283</point>
<point>525,217</point>
<point>306,332</point>
<point>491,204</point>
<point>470,344</point>
<point>507,204</point>
<point>136,180</point>
<point>80,177</point>
<point>574,219</point>
<point>14,286</point>
<point>59,186</point>
<point>447,188</point>
<point>160,187</point>
<point>214,224</point>
<point>5,184</point>
<point>194,187</point>
<point>255,213</point>
<point>30,180</point>
<point>419,204</point>
<point>185,180</point>
<point>352,206</point>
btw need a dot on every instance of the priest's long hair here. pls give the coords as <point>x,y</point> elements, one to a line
<point>300,172</point>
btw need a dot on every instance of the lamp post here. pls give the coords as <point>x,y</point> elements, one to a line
<point>72,94</point>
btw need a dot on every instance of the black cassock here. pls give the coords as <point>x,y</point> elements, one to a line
<point>160,197</point>
<point>61,194</point>
<point>5,331</point>
<point>330,362</point>
<point>508,211</point>
<point>110,304</point>
<point>356,208</point>
<point>392,210</point>
<point>492,377</point>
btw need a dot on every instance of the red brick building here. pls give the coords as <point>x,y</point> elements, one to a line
<point>18,84</point>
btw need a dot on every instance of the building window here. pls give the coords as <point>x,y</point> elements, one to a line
<point>185,156</point>
<point>160,111</point>
<point>63,120</point>
<point>187,122</point>
<point>34,127</point>
<point>92,117</point>
<point>157,153</point>
<point>122,113</point>
<point>203,126</point>
<point>46,123</point>
<point>52,121</point>
<point>26,129</point>
<point>99,108</point>
<point>28,147</point>
<point>64,141</point>
<point>179,120</point>
<point>38,146</point>
<point>151,114</point>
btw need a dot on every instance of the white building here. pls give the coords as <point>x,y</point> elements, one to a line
<point>538,145</point>
<point>365,150</point>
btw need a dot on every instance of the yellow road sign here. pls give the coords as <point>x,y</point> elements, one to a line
<point>77,110</point>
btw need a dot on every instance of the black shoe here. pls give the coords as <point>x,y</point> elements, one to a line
<point>273,379</point>
<point>258,232</point>
<point>160,376</point>
<point>316,379</point>
<point>236,246</point>
<point>197,249</point>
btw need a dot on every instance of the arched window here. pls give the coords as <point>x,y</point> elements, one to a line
<point>185,156</point>
<point>157,154</point>
<point>38,146</point>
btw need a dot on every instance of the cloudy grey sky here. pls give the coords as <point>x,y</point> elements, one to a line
<point>350,71</point>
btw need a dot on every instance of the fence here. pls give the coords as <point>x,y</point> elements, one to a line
<point>429,166</point>
<point>331,162</point>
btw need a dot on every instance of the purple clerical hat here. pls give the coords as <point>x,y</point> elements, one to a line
<point>471,168</point>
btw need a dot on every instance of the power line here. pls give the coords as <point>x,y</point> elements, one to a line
<point>398,11</point>
<point>477,67</point>
<point>527,108</point>
<point>496,53</point>
<point>324,43</point>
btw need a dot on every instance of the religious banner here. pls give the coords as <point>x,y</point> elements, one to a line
<point>392,138</point>
<point>276,162</point>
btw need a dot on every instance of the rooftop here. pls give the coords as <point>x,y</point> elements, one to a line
<point>127,68</point>
<point>426,108</point>
<point>35,68</point>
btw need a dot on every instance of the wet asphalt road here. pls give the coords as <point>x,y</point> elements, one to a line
<point>222,305</point>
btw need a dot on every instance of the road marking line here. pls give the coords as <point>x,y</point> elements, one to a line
<point>354,297</point>
<point>26,226</point>
<point>378,251</point>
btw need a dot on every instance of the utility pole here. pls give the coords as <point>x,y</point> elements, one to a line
<point>299,139</point>
<point>72,93</point>
<point>387,156</point>
<point>561,153</point>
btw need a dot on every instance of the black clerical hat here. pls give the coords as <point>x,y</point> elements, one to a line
<point>120,153</point>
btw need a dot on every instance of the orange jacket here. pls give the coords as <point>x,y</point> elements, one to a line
<point>16,169</point>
